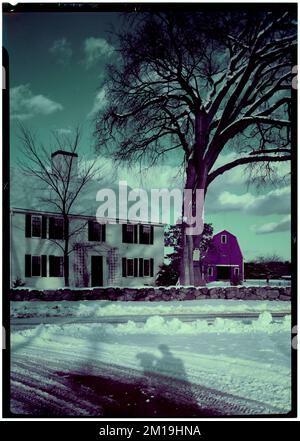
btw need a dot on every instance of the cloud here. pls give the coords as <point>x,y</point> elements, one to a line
<point>273,227</point>
<point>95,49</point>
<point>233,202</point>
<point>24,104</point>
<point>274,202</point>
<point>62,51</point>
<point>100,102</point>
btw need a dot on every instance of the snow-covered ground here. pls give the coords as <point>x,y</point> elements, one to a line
<point>253,282</point>
<point>100,308</point>
<point>225,367</point>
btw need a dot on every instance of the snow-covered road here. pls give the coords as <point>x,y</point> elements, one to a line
<point>163,366</point>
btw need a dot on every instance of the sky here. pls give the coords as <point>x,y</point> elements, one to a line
<point>57,73</point>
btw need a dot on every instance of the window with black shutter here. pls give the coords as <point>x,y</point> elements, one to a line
<point>96,231</point>
<point>137,267</point>
<point>56,228</point>
<point>128,233</point>
<point>56,266</point>
<point>146,234</point>
<point>36,226</point>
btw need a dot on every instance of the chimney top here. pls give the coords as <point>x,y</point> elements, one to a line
<point>63,152</point>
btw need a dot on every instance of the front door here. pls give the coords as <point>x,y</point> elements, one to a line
<point>97,270</point>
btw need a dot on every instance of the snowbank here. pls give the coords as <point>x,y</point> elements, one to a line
<point>99,308</point>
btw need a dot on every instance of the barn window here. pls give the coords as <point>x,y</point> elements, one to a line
<point>236,271</point>
<point>210,271</point>
<point>223,238</point>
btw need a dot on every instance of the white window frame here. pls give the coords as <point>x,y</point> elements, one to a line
<point>41,226</point>
<point>225,237</point>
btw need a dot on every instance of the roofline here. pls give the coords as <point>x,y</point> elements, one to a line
<point>64,152</point>
<point>82,216</point>
<point>222,231</point>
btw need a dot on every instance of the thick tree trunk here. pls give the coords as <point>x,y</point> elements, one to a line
<point>196,179</point>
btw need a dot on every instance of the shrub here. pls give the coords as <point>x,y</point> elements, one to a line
<point>18,282</point>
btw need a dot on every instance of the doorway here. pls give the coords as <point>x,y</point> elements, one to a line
<point>223,272</point>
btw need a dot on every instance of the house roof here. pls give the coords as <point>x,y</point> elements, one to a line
<point>26,191</point>
<point>79,216</point>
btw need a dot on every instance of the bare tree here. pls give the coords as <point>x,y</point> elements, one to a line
<point>63,180</point>
<point>198,83</point>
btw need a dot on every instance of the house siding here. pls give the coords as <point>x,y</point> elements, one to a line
<point>112,251</point>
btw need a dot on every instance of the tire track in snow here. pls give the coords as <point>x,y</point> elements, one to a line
<point>41,382</point>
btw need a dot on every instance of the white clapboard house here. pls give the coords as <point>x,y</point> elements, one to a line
<point>112,254</point>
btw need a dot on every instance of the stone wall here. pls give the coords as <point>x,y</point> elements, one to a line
<point>153,294</point>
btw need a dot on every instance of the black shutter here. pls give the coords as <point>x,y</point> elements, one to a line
<point>124,235</point>
<point>90,230</point>
<point>44,266</point>
<point>28,226</point>
<point>151,234</point>
<point>135,233</point>
<point>44,227</point>
<point>124,262</point>
<point>51,265</point>
<point>51,228</point>
<point>27,265</point>
<point>151,267</point>
<point>135,271</point>
<point>141,267</point>
<point>103,236</point>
